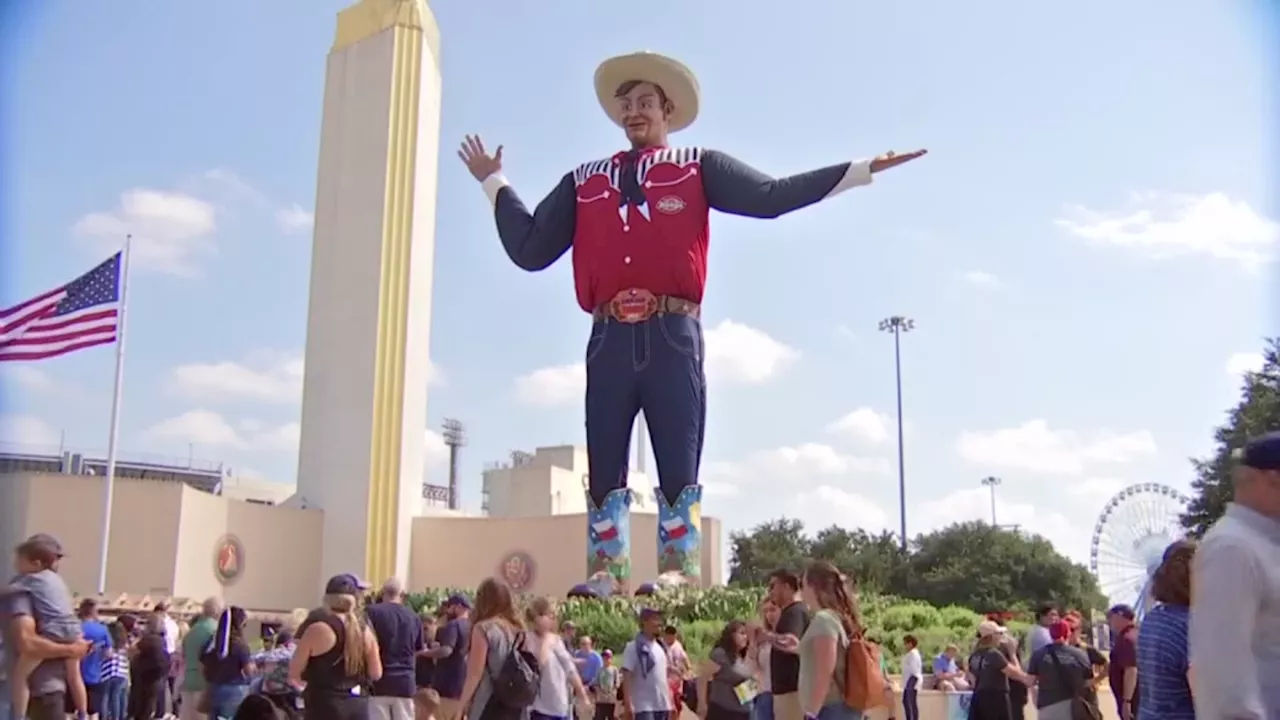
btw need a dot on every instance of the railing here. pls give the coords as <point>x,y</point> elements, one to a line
<point>54,453</point>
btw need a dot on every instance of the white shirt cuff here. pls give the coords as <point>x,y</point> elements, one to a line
<point>858,174</point>
<point>492,185</point>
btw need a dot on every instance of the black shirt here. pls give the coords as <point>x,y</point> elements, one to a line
<point>229,670</point>
<point>399,633</point>
<point>784,667</point>
<point>987,666</point>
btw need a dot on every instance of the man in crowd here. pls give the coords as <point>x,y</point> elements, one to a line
<point>1234,633</point>
<point>450,654</point>
<point>399,633</point>
<point>167,700</point>
<point>1123,673</point>
<point>645,690</point>
<point>95,632</point>
<point>193,645</point>
<point>947,673</point>
<point>588,661</point>
<point>1039,636</point>
<point>784,658</point>
<point>18,620</point>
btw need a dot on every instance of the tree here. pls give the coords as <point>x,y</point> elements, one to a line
<point>1258,412</point>
<point>972,565</point>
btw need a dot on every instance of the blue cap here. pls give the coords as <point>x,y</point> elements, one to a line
<point>457,599</point>
<point>1262,452</point>
<point>648,612</point>
<point>345,584</point>
<point>1122,610</point>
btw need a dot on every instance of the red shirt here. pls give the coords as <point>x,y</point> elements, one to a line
<point>665,253</point>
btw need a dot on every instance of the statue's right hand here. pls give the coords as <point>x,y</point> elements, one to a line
<point>478,161</point>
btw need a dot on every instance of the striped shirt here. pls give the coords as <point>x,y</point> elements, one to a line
<point>115,665</point>
<point>1163,692</point>
<point>1235,627</point>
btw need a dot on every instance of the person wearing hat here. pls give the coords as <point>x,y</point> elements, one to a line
<point>336,656</point>
<point>991,673</point>
<point>453,643</point>
<point>638,225</point>
<point>645,692</point>
<point>1234,630</point>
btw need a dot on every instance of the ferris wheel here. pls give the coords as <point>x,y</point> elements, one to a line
<point>1130,538</point>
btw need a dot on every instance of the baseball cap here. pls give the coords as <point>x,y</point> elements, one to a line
<point>345,584</point>
<point>987,628</point>
<point>46,543</point>
<point>458,599</point>
<point>646,613</point>
<point>1122,610</point>
<point>607,653</point>
<point>1262,452</point>
<point>1060,630</point>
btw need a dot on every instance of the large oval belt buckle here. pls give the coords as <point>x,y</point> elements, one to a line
<point>633,306</point>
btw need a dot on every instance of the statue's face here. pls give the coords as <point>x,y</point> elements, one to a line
<point>643,110</point>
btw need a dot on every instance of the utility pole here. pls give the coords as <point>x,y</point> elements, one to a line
<point>992,483</point>
<point>455,436</point>
<point>897,325</point>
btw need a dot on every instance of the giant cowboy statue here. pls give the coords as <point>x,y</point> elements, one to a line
<point>638,225</point>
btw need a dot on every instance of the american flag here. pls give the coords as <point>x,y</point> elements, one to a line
<point>83,313</point>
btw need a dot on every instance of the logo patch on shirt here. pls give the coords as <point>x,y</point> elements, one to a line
<point>670,205</point>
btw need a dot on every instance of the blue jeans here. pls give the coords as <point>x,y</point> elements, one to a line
<point>655,366</point>
<point>762,708</point>
<point>224,700</point>
<point>654,715</point>
<point>115,698</point>
<point>838,711</point>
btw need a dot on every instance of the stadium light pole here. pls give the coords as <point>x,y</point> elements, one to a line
<point>897,325</point>
<point>992,483</point>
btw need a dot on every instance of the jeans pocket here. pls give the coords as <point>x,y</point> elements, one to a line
<point>682,333</point>
<point>595,343</point>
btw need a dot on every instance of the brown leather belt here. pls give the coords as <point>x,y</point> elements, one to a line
<point>636,306</point>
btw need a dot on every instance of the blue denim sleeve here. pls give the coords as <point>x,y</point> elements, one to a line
<point>736,188</point>
<point>535,240</point>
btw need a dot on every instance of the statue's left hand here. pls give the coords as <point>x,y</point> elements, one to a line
<point>892,159</point>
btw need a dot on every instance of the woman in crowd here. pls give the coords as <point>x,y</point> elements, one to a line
<point>336,655</point>
<point>912,676</point>
<point>149,669</point>
<point>1164,671</point>
<point>226,664</point>
<point>726,687</point>
<point>760,651</point>
<point>1097,660</point>
<point>823,648</point>
<point>495,627</point>
<point>559,673</point>
<point>990,673</point>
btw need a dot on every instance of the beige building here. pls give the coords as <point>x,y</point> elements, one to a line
<point>171,539</point>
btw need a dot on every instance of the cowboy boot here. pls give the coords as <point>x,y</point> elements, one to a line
<point>680,537</point>
<point>609,543</point>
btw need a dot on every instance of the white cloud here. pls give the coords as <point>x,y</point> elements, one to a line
<point>29,432</point>
<point>27,377</point>
<point>171,231</point>
<point>982,278</point>
<point>864,424</point>
<point>1170,225</point>
<point>265,376</point>
<point>827,505</point>
<point>210,429</point>
<point>236,186</point>
<point>1035,447</point>
<point>742,354</point>
<point>1244,362</point>
<point>799,466</point>
<point>294,219</point>
<point>736,353</point>
<point>434,449</point>
<point>1069,535</point>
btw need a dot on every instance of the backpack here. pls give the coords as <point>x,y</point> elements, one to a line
<point>516,683</point>
<point>864,682</point>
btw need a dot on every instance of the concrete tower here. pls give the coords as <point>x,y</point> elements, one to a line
<point>364,398</point>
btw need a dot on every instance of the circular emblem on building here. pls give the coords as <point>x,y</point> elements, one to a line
<point>228,559</point>
<point>517,570</point>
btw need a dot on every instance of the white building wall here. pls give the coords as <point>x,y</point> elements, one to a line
<point>553,483</point>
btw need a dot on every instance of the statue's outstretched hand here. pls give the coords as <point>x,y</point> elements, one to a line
<point>478,161</point>
<point>888,160</point>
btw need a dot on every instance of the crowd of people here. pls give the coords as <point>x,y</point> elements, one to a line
<point>1207,647</point>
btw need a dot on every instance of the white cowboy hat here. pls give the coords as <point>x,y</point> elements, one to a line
<point>676,80</point>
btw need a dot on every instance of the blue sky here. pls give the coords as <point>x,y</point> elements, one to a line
<point>1085,250</point>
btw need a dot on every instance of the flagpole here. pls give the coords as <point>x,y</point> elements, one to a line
<point>113,438</point>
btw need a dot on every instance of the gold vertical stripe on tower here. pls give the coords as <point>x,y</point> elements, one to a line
<point>393,304</point>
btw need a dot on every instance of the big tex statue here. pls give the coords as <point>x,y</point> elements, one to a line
<point>638,226</point>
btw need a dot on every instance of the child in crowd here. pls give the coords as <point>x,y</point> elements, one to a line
<point>36,561</point>
<point>115,674</point>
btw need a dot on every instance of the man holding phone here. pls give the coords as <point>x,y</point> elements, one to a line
<point>784,660</point>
